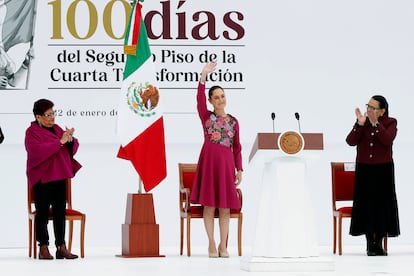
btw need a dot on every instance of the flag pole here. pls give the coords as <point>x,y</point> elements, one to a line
<point>140,186</point>
<point>140,232</point>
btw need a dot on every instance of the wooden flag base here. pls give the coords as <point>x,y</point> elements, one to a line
<point>140,233</point>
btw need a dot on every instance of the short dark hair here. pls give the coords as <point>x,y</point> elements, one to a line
<point>40,106</point>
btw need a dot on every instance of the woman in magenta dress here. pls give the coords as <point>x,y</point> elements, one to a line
<point>219,168</point>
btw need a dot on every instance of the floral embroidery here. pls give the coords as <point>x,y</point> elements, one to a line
<point>220,130</point>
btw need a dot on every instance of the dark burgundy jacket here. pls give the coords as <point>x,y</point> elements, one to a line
<point>374,144</point>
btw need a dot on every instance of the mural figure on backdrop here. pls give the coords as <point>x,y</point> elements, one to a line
<point>16,42</point>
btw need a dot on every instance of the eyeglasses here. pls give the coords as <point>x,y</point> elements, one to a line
<point>372,107</point>
<point>49,115</point>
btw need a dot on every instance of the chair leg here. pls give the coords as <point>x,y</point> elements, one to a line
<point>340,235</point>
<point>334,235</point>
<point>82,236</point>
<point>181,235</point>
<point>239,234</point>
<point>385,244</point>
<point>188,236</point>
<point>70,235</point>
<point>30,238</point>
<point>34,241</point>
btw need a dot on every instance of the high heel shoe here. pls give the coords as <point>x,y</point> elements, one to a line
<point>212,251</point>
<point>224,254</point>
<point>222,250</point>
<point>63,253</point>
<point>213,255</point>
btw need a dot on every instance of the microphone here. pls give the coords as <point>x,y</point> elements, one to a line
<point>297,118</point>
<point>273,119</point>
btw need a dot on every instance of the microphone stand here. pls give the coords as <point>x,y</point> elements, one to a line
<point>297,118</point>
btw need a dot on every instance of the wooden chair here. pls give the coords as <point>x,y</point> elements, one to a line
<point>343,179</point>
<point>191,211</point>
<point>71,215</point>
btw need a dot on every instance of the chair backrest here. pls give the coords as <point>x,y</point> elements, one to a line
<point>343,179</point>
<point>31,201</point>
<point>187,173</point>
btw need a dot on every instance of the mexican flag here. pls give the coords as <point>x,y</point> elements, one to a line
<point>140,121</point>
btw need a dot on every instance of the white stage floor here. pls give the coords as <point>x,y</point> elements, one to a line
<point>103,261</point>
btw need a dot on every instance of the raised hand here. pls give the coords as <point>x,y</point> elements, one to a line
<point>67,135</point>
<point>3,81</point>
<point>360,117</point>
<point>208,68</point>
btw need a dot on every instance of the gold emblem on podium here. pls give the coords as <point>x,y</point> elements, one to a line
<point>291,142</point>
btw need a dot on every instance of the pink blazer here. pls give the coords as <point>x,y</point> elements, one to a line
<point>47,159</point>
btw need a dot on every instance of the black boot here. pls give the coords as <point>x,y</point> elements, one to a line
<point>370,245</point>
<point>379,250</point>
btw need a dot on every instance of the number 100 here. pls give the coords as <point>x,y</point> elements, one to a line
<point>93,18</point>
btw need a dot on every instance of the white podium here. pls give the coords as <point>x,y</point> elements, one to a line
<point>285,236</point>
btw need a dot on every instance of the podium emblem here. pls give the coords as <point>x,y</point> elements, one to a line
<point>291,142</point>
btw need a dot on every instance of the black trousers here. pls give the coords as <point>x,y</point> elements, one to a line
<point>52,194</point>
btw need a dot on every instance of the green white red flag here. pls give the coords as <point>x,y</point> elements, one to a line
<point>140,119</point>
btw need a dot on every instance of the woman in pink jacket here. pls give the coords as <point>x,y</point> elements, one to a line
<point>49,163</point>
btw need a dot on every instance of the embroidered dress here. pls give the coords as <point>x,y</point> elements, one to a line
<point>220,156</point>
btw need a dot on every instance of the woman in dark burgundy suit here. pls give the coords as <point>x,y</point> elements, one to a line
<point>375,210</point>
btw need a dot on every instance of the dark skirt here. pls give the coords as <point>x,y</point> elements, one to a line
<point>375,207</point>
